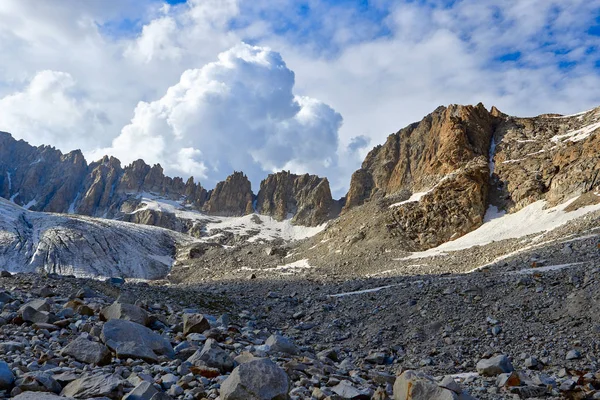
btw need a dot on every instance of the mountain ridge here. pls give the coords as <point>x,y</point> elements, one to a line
<point>44,179</point>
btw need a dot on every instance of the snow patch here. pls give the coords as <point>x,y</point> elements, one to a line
<point>267,227</point>
<point>30,204</point>
<point>577,135</point>
<point>9,178</point>
<point>527,221</point>
<point>377,289</point>
<point>13,197</point>
<point>72,205</point>
<point>546,268</point>
<point>414,198</point>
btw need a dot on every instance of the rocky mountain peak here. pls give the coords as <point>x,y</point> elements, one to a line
<point>419,155</point>
<point>304,198</point>
<point>231,197</point>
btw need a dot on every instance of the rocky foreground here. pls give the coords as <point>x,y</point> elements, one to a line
<point>486,336</point>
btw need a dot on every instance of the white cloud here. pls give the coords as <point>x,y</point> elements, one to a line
<point>49,111</point>
<point>238,113</point>
<point>431,53</point>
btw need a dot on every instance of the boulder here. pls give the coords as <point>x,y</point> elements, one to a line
<point>145,391</point>
<point>281,344</point>
<point>129,339</point>
<point>38,304</point>
<point>40,396</point>
<point>6,376</point>
<point>346,390</point>
<point>195,323</point>
<point>494,366</point>
<point>124,311</point>
<point>212,356</point>
<point>38,381</point>
<point>259,379</point>
<point>89,352</point>
<point>32,315</point>
<point>99,385</point>
<point>415,385</point>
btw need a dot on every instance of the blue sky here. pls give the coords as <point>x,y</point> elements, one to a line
<point>117,76</point>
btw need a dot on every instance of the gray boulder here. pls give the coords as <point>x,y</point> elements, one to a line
<point>281,344</point>
<point>212,356</point>
<point>259,379</point>
<point>40,396</point>
<point>38,304</point>
<point>145,391</point>
<point>129,339</point>
<point>415,385</point>
<point>100,385</point>
<point>494,366</point>
<point>195,323</point>
<point>34,316</point>
<point>6,376</point>
<point>38,381</point>
<point>125,311</point>
<point>346,390</point>
<point>89,352</point>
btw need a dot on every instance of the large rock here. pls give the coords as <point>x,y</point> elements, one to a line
<point>259,379</point>
<point>99,385</point>
<point>413,385</point>
<point>494,366</point>
<point>129,339</point>
<point>127,312</point>
<point>86,351</point>
<point>146,391</point>
<point>38,381</point>
<point>346,390</point>
<point>281,344</point>
<point>7,378</point>
<point>40,396</point>
<point>195,323</point>
<point>34,316</point>
<point>306,197</point>
<point>211,355</point>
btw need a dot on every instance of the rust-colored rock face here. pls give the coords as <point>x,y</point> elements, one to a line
<point>548,157</point>
<point>232,197</point>
<point>420,154</point>
<point>304,198</point>
<point>454,207</point>
<point>468,158</point>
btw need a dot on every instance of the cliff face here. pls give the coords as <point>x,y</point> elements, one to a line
<point>44,179</point>
<point>231,197</point>
<point>419,155</point>
<point>548,157</point>
<point>465,159</point>
<point>306,198</point>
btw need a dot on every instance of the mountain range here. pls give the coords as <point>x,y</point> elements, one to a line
<point>431,182</point>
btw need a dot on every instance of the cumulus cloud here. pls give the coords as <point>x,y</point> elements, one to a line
<point>238,113</point>
<point>50,111</point>
<point>380,64</point>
